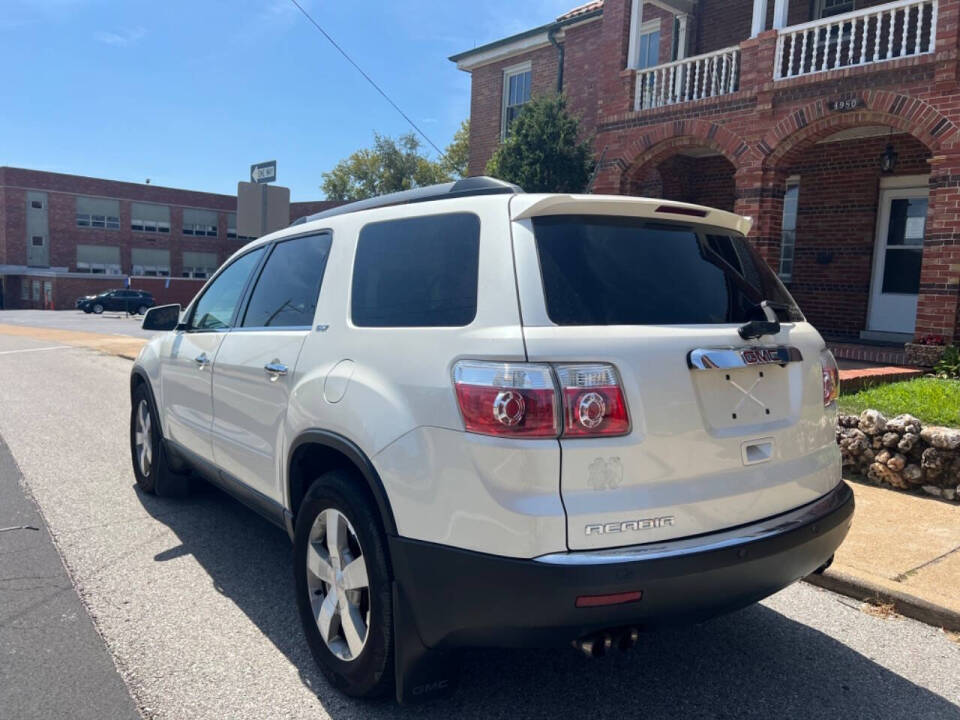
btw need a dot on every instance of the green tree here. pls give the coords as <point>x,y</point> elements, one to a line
<point>389,166</point>
<point>543,151</point>
<point>456,158</point>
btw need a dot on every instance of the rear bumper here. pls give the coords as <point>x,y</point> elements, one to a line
<point>462,598</point>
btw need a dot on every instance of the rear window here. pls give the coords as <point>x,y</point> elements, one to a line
<point>417,272</point>
<point>601,270</point>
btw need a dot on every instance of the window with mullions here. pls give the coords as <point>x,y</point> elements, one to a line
<point>788,230</point>
<point>98,213</point>
<point>516,94</point>
<point>149,218</point>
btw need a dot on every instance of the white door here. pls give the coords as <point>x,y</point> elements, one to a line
<point>896,261</point>
<point>256,366</point>
<point>189,356</point>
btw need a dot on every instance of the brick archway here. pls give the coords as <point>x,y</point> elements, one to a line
<point>659,142</point>
<point>814,121</point>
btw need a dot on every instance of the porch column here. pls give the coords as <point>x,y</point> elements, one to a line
<point>759,23</point>
<point>760,196</point>
<point>938,304</point>
<point>780,11</point>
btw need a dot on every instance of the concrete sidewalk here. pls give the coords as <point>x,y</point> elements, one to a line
<point>902,549</point>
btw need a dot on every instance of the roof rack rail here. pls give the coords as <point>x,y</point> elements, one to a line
<point>478,185</point>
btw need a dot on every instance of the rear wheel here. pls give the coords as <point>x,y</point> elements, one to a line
<point>343,586</point>
<point>150,466</point>
<point>142,310</point>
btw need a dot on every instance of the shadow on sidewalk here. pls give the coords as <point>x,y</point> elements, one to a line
<point>755,663</point>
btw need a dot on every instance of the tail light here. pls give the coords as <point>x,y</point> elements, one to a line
<point>593,403</point>
<point>512,399</point>
<point>522,400</point>
<point>831,377</point>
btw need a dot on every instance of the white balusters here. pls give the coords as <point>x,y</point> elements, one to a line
<point>694,78</point>
<point>818,46</point>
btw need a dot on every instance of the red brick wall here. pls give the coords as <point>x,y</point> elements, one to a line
<point>836,222</point>
<point>580,69</point>
<point>704,181</point>
<point>486,98</point>
<point>66,290</point>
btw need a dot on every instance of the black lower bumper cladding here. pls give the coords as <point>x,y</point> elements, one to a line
<point>447,598</point>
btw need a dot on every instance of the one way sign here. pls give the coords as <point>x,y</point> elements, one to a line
<point>265,172</point>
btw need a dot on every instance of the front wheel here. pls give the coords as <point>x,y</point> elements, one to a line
<point>343,586</point>
<point>150,466</point>
<point>142,310</point>
<point>98,309</point>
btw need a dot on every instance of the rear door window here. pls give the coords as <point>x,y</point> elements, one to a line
<point>417,272</point>
<point>289,285</point>
<point>601,270</point>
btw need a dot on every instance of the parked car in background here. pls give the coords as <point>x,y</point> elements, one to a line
<point>128,301</point>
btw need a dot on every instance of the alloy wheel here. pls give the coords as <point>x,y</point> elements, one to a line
<point>338,584</point>
<point>143,439</point>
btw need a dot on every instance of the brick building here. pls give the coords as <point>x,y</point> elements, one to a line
<point>833,123</point>
<point>63,236</point>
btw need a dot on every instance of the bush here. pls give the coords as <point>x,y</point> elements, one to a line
<point>543,151</point>
<point>949,365</point>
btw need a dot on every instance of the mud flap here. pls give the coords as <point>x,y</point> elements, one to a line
<point>422,674</point>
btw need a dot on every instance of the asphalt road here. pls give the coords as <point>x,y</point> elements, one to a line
<point>109,323</point>
<point>194,599</point>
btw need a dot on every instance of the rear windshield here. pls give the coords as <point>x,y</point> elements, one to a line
<point>601,270</point>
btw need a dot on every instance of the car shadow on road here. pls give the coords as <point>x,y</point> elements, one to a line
<point>756,663</point>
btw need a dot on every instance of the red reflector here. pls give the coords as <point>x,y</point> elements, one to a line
<point>615,599</point>
<point>677,210</point>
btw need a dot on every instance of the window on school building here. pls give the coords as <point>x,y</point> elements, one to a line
<point>199,265</point>
<point>200,223</point>
<point>146,217</point>
<point>98,213</point>
<point>98,260</point>
<point>150,262</point>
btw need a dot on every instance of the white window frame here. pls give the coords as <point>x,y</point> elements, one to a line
<point>788,250</point>
<point>819,8</point>
<point>647,28</point>
<point>511,72</point>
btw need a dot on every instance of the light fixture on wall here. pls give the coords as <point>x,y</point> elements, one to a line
<point>888,160</point>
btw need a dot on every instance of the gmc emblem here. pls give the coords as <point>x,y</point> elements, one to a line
<point>761,356</point>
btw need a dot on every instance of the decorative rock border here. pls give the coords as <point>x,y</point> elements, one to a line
<point>901,452</point>
<point>923,355</point>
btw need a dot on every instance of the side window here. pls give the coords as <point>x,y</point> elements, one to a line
<point>286,292</point>
<point>417,272</point>
<point>214,310</point>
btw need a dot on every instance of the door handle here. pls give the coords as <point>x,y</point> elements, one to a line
<point>275,369</point>
<point>202,361</point>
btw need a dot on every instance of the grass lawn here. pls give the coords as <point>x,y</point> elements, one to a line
<point>934,401</point>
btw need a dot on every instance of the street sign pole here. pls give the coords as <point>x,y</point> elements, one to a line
<point>263,209</point>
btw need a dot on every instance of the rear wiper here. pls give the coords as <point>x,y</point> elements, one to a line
<point>759,328</point>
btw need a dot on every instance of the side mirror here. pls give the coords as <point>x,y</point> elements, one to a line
<point>162,317</point>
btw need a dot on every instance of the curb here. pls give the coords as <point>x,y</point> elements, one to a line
<point>861,586</point>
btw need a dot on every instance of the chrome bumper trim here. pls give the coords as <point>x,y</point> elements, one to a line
<point>742,535</point>
<point>729,358</point>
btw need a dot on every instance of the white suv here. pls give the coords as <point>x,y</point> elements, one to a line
<point>490,418</point>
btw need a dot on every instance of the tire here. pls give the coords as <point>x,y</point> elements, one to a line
<point>150,466</point>
<point>98,309</point>
<point>369,672</point>
<point>142,310</point>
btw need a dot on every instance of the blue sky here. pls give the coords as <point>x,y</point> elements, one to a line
<point>189,94</point>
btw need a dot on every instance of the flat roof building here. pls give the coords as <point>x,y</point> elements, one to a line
<point>62,236</point>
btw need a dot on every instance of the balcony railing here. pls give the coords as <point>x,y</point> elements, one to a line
<point>905,28</point>
<point>693,78</point>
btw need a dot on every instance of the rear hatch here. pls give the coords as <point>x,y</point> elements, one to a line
<point>723,431</point>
